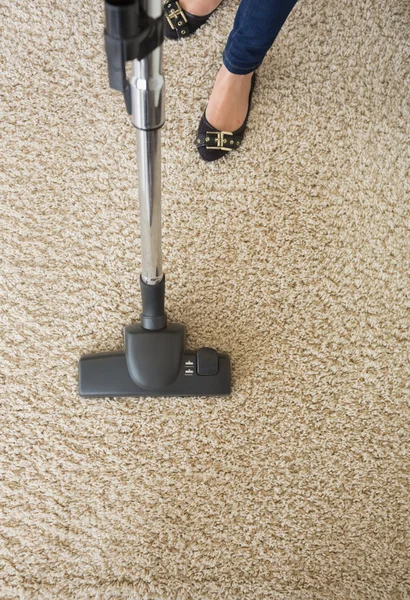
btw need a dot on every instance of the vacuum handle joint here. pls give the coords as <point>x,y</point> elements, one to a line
<point>129,34</point>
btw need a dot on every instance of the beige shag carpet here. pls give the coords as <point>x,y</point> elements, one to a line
<point>292,254</point>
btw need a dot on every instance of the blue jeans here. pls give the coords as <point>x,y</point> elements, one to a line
<point>257,23</point>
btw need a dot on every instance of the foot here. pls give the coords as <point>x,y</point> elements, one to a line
<point>228,105</point>
<point>222,126</point>
<point>184,17</point>
<point>199,8</point>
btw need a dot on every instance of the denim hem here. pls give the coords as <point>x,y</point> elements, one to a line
<point>238,70</point>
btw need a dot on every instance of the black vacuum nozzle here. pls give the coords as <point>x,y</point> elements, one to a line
<point>154,361</point>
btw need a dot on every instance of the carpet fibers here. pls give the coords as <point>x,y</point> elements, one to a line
<point>292,254</point>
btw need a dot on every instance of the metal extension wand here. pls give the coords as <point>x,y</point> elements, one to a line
<point>147,94</point>
<point>154,361</point>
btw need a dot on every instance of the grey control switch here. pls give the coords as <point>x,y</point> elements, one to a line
<point>207,361</point>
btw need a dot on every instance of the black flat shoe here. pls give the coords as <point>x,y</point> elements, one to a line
<point>179,23</point>
<point>212,143</point>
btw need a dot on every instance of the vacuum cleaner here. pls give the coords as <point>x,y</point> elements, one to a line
<point>155,361</point>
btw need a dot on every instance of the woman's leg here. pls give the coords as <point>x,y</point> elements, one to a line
<point>257,23</point>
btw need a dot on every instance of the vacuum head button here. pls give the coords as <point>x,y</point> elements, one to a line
<point>207,361</point>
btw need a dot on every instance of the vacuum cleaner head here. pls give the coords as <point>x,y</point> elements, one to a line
<point>155,363</point>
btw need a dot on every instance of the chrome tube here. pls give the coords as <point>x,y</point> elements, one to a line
<point>149,169</point>
<point>147,91</point>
